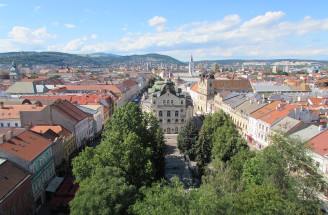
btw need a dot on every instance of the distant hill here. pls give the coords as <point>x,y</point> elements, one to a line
<point>234,61</point>
<point>106,59</point>
<point>96,59</point>
<point>38,58</point>
<point>154,58</point>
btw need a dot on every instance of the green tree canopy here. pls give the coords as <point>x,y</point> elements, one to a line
<point>106,192</point>
<point>132,142</point>
<point>187,139</point>
<point>163,199</point>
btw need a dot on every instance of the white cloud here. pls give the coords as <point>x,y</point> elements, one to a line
<point>267,20</point>
<point>3,5</point>
<point>158,22</point>
<point>69,25</point>
<point>23,38</point>
<point>264,36</point>
<point>27,35</point>
<point>37,8</point>
<point>55,23</point>
<point>94,36</point>
<point>124,29</point>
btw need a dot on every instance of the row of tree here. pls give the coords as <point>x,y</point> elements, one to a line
<point>130,155</point>
<point>218,138</point>
<point>242,181</point>
<point>117,176</point>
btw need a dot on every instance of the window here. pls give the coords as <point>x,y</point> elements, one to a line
<point>1,124</point>
<point>176,120</point>
<point>168,113</point>
<point>182,120</point>
<point>176,130</point>
<point>160,120</point>
<point>164,101</point>
<point>8,124</point>
<point>13,210</point>
<point>168,120</point>
<point>16,124</point>
<point>171,101</point>
<point>168,101</point>
<point>176,113</point>
<point>160,113</point>
<point>182,102</point>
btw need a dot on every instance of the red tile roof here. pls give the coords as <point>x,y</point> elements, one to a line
<point>46,98</point>
<point>12,111</point>
<point>194,88</point>
<point>10,177</point>
<point>69,110</point>
<point>26,145</point>
<point>319,143</point>
<point>232,84</point>
<point>279,113</point>
<point>130,83</point>
<point>266,109</point>
<point>112,88</point>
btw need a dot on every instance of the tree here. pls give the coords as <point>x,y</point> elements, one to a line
<point>226,142</point>
<point>203,150</point>
<point>130,156</point>
<point>158,155</point>
<point>187,139</point>
<point>163,199</point>
<point>34,75</point>
<point>260,199</point>
<point>55,76</point>
<point>206,200</point>
<point>106,192</point>
<point>132,142</point>
<point>273,166</point>
<point>84,164</point>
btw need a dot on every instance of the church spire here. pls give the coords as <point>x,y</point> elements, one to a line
<point>191,66</point>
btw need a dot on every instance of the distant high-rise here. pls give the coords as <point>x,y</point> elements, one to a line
<point>274,69</point>
<point>191,67</point>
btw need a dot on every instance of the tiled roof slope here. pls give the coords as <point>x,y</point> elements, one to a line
<point>10,176</point>
<point>129,83</point>
<point>12,111</point>
<point>194,88</point>
<point>26,145</point>
<point>232,84</point>
<point>266,109</point>
<point>319,143</point>
<point>69,110</point>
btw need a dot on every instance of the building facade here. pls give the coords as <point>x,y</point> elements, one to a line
<point>171,107</point>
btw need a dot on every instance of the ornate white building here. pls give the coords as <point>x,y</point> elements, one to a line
<point>171,106</point>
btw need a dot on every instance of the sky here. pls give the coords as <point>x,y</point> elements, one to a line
<point>207,29</point>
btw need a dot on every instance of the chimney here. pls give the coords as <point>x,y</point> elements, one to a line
<point>11,134</point>
<point>1,105</point>
<point>3,139</point>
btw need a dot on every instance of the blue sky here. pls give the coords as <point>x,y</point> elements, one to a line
<point>209,29</point>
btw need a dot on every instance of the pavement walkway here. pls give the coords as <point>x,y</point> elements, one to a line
<point>175,163</point>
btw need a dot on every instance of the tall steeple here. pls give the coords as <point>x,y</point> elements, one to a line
<point>191,66</point>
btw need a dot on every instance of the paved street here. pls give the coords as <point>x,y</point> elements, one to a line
<point>175,164</point>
